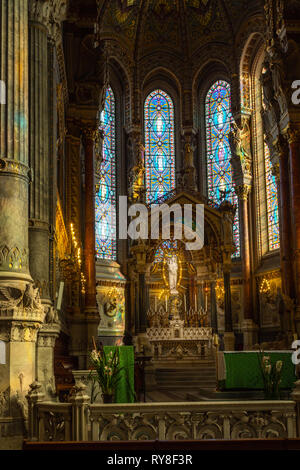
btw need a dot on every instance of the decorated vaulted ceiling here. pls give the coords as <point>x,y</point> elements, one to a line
<point>182,27</point>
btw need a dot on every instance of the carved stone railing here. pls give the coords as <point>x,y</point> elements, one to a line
<point>81,421</point>
<point>54,422</point>
<point>193,421</point>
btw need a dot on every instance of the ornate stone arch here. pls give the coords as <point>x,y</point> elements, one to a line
<point>203,79</point>
<point>164,79</point>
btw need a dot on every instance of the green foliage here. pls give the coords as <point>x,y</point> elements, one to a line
<point>271,374</point>
<point>107,367</point>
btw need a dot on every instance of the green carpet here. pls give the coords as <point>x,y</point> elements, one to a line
<point>243,370</point>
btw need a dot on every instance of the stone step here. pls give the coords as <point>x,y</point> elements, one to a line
<point>191,378</point>
<point>194,387</point>
<point>186,379</point>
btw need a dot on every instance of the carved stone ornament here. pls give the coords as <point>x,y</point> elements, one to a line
<point>243,191</point>
<point>50,13</point>
<point>21,313</point>
<point>239,141</point>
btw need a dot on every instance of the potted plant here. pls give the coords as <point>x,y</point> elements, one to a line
<point>107,367</point>
<point>271,374</point>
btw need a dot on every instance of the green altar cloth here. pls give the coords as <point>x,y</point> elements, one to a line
<point>125,388</point>
<point>243,369</point>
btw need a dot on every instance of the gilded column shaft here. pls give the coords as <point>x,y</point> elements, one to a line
<point>294,141</point>
<point>288,285</point>
<point>14,72</point>
<point>14,141</point>
<point>89,236</point>
<point>39,156</point>
<point>243,192</point>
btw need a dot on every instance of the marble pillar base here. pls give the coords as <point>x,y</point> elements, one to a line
<point>250,333</point>
<point>229,341</point>
<point>45,358</point>
<point>142,343</point>
<point>39,256</point>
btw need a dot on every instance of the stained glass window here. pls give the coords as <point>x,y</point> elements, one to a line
<point>272,203</point>
<point>159,145</point>
<point>106,245</point>
<point>166,249</point>
<point>219,172</point>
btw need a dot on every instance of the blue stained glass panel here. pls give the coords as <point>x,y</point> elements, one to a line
<point>159,145</point>
<point>105,204</point>
<point>219,172</point>
<point>272,203</point>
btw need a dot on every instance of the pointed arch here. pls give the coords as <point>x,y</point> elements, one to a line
<point>159,145</point>
<point>106,244</point>
<point>218,117</point>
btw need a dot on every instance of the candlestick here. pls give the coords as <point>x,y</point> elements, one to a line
<point>206,301</point>
<point>184,302</point>
<point>195,302</point>
<point>155,303</point>
<point>166,303</point>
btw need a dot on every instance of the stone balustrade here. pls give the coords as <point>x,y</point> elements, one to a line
<point>78,420</point>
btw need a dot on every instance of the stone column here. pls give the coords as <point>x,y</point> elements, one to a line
<point>139,252</point>
<point>282,177</point>
<point>249,328</point>
<point>214,312</point>
<point>229,337</point>
<point>45,358</point>
<point>91,310</point>
<point>14,172</point>
<point>142,303</point>
<point>294,143</point>
<point>21,312</point>
<point>227,211</point>
<point>39,149</point>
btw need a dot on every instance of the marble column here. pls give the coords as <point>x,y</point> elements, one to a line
<point>91,309</point>
<point>294,144</point>
<point>39,153</point>
<point>21,312</point>
<point>14,117</point>
<point>282,177</point>
<point>45,358</point>
<point>248,327</point>
<point>213,302</point>
<point>229,337</point>
<point>142,303</point>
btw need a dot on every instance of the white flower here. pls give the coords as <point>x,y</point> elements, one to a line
<point>266,359</point>
<point>94,355</point>
<point>268,369</point>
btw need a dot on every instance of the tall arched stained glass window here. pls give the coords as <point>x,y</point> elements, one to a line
<point>106,245</point>
<point>272,203</point>
<point>219,173</point>
<point>159,145</point>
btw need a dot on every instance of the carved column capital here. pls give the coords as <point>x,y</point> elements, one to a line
<point>49,13</point>
<point>276,172</point>
<point>243,191</point>
<point>89,134</point>
<point>293,134</point>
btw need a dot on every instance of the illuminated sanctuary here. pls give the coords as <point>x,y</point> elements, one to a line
<point>168,103</point>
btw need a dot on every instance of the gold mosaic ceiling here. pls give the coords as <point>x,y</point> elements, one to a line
<point>183,26</point>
